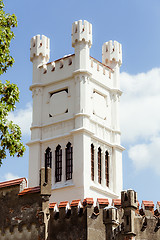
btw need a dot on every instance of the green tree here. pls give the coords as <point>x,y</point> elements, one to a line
<point>10,133</point>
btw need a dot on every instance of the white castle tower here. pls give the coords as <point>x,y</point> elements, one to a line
<point>75,127</point>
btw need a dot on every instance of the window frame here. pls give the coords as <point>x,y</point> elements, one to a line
<point>92,162</point>
<point>107,168</point>
<point>48,162</point>
<point>58,164</point>
<point>69,161</point>
<point>99,165</point>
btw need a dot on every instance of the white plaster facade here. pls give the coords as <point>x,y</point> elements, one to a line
<point>76,100</point>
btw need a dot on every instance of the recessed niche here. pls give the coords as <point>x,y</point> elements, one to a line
<point>58,103</point>
<point>99,105</point>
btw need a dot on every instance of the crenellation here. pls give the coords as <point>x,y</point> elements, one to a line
<point>53,66</point>
<point>148,206</point>
<point>104,70</point>
<point>98,218</point>
<point>81,31</point>
<point>40,45</point>
<point>44,66</point>
<point>129,199</point>
<point>61,63</point>
<point>70,61</point>
<point>100,66</point>
<point>56,70</point>
<point>23,234</point>
<point>103,73</point>
<point>110,215</point>
<point>97,66</point>
<point>112,53</point>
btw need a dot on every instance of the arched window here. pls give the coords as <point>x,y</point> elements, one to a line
<point>69,161</point>
<point>92,162</point>
<point>58,163</point>
<point>99,165</point>
<point>48,162</point>
<point>107,168</point>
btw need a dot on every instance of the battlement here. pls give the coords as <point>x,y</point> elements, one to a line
<point>103,203</point>
<point>129,199</point>
<point>25,214</point>
<point>61,63</point>
<point>110,215</point>
<point>40,46</point>
<point>112,52</point>
<point>58,64</point>
<point>64,68</point>
<point>81,31</point>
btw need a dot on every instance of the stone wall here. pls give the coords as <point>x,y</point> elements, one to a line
<point>27,214</point>
<point>20,216</point>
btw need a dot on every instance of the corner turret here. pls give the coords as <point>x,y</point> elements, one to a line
<point>40,47</point>
<point>112,57</point>
<point>129,205</point>
<point>82,42</point>
<point>81,32</point>
<point>110,219</point>
<point>39,53</point>
<point>112,53</point>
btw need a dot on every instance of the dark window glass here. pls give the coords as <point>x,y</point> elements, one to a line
<point>48,162</point>
<point>69,161</point>
<point>99,166</point>
<point>92,162</point>
<point>107,168</point>
<point>58,163</point>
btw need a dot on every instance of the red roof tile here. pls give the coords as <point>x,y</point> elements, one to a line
<point>12,182</point>
<point>148,203</point>
<point>88,201</point>
<point>30,190</point>
<point>103,201</point>
<point>75,203</point>
<point>52,205</point>
<point>138,204</point>
<point>116,202</point>
<point>63,204</point>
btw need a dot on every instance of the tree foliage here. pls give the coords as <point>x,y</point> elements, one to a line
<point>10,133</point>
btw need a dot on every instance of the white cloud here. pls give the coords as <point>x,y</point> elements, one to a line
<point>140,106</point>
<point>23,118</point>
<point>146,155</point>
<point>140,118</point>
<point>10,176</point>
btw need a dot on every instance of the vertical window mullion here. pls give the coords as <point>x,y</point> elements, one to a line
<point>48,162</point>
<point>99,165</point>
<point>66,163</point>
<point>69,161</point>
<point>58,163</point>
<point>107,168</point>
<point>55,166</point>
<point>92,162</point>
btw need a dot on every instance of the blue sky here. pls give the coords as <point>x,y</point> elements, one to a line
<point>135,24</point>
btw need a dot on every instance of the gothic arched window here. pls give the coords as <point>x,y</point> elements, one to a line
<point>107,168</point>
<point>69,161</point>
<point>99,165</point>
<point>58,163</point>
<point>48,162</point>
<point>92,162</point>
